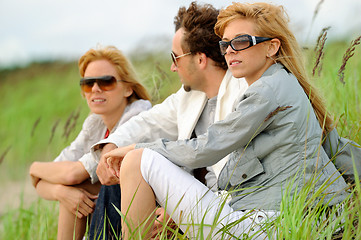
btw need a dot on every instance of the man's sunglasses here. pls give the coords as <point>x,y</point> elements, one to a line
<point>242,42</point>
<point>105,83</point>
<point>174,57</point>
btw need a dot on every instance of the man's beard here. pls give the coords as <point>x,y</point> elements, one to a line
<point>187,88</point>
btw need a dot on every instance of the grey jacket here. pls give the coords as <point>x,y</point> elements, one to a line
<point>273,136</point>
<point>345,154</point>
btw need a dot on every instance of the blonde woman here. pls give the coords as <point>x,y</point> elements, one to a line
<point>114,95</point>
<point>272,137</point>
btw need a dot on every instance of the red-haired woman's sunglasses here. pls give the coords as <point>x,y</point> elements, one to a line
<point>105,83</point>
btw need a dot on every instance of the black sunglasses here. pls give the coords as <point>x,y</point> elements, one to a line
<point>242,42</point>
<point>105,83</point>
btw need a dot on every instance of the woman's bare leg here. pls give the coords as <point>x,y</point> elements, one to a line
<point>138,201</point>
<point>69,224</point>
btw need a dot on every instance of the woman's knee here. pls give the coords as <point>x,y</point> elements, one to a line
<point>131,162</point>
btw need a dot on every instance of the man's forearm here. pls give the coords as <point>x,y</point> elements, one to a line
<point>104,174</point>
<point>107,148</point>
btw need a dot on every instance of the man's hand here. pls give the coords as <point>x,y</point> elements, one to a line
<point>76,200</point>
<point>106,177</point>
<point>158,226</point>
<point>115,157</point>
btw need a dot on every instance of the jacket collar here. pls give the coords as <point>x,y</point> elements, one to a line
<point>230,89</point>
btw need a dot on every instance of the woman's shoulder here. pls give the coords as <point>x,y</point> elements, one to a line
<point>134,109</point>
<point>276,81</point>
<point>277,76</point>
<point>140,104</point>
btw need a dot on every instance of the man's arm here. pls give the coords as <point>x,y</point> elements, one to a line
<point>160,121</point>
<point>147,126</point>
<point>222,137</point>
<point>65,172</point>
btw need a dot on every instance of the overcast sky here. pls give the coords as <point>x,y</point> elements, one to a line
<point>43,29</point>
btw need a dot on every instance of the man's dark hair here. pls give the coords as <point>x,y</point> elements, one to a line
<point>198,22</point>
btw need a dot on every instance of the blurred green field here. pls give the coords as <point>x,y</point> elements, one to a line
<point>43,109</point>
<point>42,112</point>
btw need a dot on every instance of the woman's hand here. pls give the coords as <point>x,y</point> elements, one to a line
<point>115,157</point>
<point>78,201</point>
<point>158,225</point>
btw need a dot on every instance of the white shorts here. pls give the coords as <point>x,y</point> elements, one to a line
<point>198,211</point>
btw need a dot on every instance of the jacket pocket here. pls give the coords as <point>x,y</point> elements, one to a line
<point>240,168</point>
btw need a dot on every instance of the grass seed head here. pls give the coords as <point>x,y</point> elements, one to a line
<point>348,54</point>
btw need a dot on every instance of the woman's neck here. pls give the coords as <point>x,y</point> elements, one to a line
<point>110,120</point>
<point>251,79</point>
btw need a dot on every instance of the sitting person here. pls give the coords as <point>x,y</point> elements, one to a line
<point>114,95</point>
<point>272,137</point>
<point>208,93</point>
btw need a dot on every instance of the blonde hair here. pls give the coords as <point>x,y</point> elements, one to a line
<point>272,21</point>
<point>123,67</point>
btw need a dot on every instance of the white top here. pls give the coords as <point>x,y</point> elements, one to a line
<point>94,130</point>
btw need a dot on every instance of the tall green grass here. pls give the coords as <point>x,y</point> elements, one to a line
<point>305,215</point>
<point>42,112</point>
<point>343,100</point>
<point>37,221</point>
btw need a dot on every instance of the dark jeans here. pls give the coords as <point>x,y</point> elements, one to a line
<point>104,209</point>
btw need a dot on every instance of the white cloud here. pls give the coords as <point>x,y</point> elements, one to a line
<point>12,52</point>
<point>67,28</point>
